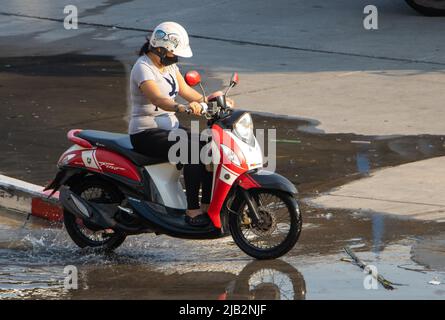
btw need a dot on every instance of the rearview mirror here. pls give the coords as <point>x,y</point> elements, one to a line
<point>192,78</point>
<point>234,80</point>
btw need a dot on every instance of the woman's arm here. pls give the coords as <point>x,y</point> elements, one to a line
<point>190,94</point>
<point>151,90</point>
<point>187,92</point>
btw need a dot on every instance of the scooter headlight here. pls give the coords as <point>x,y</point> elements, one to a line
<point>243,128</point>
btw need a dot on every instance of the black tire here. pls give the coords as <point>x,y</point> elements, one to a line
<point>71,221</point>
<point>287,244</point>
<point>431,8</point>
<point>243,290</point>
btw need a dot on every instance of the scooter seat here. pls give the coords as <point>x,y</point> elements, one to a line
<point>119,143</point>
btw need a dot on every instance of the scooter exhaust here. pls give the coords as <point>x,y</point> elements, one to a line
<point>85,210</point>
<point>99,215</point>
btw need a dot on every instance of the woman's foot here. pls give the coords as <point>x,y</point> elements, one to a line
<point>197,218</point>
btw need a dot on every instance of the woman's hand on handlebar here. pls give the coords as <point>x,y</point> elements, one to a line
<point>195,108</point>
<point>191,108</point>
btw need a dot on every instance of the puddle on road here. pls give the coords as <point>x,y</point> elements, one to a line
<point>62,92</point>
<point>94,96</point>
<point>317,162</point>
<point>32,266</point>
<point>32,262</point>
<point>430,252</point>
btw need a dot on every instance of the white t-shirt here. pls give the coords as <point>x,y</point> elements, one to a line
<point>144,114</point>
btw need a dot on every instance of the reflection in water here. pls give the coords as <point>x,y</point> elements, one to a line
<point>258,280</point>
<point>269,280</point>
<point>430,252</point>
<point>411,150</point>
<point>378,230</point>
<point>363,163</point>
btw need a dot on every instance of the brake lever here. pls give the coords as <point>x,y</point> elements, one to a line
<point>205,110</point>
<point>205,107</point>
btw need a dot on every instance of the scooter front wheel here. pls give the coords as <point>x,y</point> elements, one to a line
<point>277,230</point>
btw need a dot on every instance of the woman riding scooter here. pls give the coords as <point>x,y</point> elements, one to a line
<point>155,82</point>
<point>108,191</point>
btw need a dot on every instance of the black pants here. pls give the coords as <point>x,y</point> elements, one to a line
<point>155,143</point>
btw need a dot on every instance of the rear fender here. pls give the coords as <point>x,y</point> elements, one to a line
<point>68,176</point>
<point>65,176</point>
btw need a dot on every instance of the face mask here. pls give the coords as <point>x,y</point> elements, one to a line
<point>165,61</point>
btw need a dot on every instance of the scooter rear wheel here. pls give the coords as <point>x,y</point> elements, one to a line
<point>276,233</point>
<point>85,235</point>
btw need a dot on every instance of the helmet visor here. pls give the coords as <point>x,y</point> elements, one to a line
<point>172,41</point>
<point>171,38</point>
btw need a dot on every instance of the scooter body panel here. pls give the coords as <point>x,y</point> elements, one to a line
<point>166,188</point>
<point>227,171</point>
<point>101,161</point>
<point>167,221</point>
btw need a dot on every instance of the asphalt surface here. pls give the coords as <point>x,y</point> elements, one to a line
<point>296,58</point>
<point>363,100</point>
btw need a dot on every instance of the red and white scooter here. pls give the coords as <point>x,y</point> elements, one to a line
<point>109,191</point>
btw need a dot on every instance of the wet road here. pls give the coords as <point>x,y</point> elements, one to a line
<point>70,91</point>
<point>33,257</point>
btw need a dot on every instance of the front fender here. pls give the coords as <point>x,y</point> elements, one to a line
<point>267,180</point>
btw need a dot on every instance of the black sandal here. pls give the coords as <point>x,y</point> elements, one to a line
<point>198,221</point>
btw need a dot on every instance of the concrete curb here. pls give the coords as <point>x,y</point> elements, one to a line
<point>28,198</point>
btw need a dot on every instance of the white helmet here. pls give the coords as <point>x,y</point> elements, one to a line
<point>173,37</point>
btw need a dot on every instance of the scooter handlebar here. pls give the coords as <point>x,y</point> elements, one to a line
<point>204,109</point>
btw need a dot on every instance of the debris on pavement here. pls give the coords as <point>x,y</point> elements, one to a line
<point>355,260</point>
<point>286,140</point>
<point>434,282</point>
<point>421,270</point>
